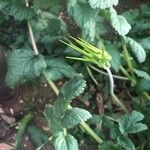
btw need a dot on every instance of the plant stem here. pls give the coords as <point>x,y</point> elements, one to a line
<point>146,95</point>
<point>91,132</point>
<point>111,82</point>
<point>104,73</point>
<point>32,35</point>
<point>91,75</point>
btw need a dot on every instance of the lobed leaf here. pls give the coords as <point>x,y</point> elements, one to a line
<point>23,66</point>
<point>74,116</point>
<point>129,123</point>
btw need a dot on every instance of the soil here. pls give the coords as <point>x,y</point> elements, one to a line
<point>35,96</point>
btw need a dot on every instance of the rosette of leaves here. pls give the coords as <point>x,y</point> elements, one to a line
<point>60,116</point>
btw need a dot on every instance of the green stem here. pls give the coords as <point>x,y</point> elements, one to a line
<point>105,73</point>
<point>111,82</point>
<point>91,132</point>
<point>146,95</point>
<point>91,75</point>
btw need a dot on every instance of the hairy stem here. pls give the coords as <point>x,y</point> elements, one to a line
<point>111,82</point>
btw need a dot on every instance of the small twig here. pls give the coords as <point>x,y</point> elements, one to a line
<point>32,35</point>
<point>91,75</point>
<point>105,73</point>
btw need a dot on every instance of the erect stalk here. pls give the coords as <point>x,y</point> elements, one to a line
<point>111,82</point>
<point>54,87</point>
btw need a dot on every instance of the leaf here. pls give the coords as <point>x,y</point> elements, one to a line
<point>119,23</point>
<point>96,119</point>
<point>109,146</point>
<point>145,42</point>
<point>65,142</point>
<point>143,85</point>
<point>129,123</point>
<point>23,66</point>
<point>74,116</point>
<point>84,16</point>
<point>112,49</point>
<point>37,136</point>
<point>143,74</point>
<point>52,120</point>
<point>126,143</point>
<point>57,69</point>
<point>21,131</point>
<point>40,4</point>
<point>103,4</point>
<point>16,9</point>
<point>48,27</point>
<point>73,88</point>
<point>136,48</point>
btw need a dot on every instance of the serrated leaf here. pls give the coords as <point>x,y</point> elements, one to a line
<point>112,49</point>
<point>103,4</point>
<point>142,74</point>
<point>119,23</point>
<point>57,69</point>
<point>136,48</point>
<point>73,88</point>
<point>23,66</point>
<point>65,142</point>
<point>130,123</point>
<point>143,85</point>
<point>16,9</point>
<point>37,136</point>
<point>53,123</point>
<point>126,143</point>
<point>74,116</point>
<point>84,16</point>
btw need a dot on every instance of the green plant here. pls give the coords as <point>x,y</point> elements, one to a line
<point>125,55</point>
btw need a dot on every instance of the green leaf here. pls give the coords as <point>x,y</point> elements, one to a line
<point>143,85</point>
<point>74,116</point>
<point>65,142</point>
<point>112,49</point>
<point>126,143</point>
<point>52,120</point>
<point>119,23</point>
<point>23,66</point>
<point>39,4</point>
<point>57,69</point>
<point>109,146</point>
<point>37,136</point>
<point>143,74</point>
<point>136,48</point>
<point>16,9</point>
<point>130,123</point>
<point>102,4</point>
<point>145,42</point>
<point>84,16</point>
<point>96,119</point>
<point>73,88</point>
<point>21,131</point>
<point>48,27</point>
